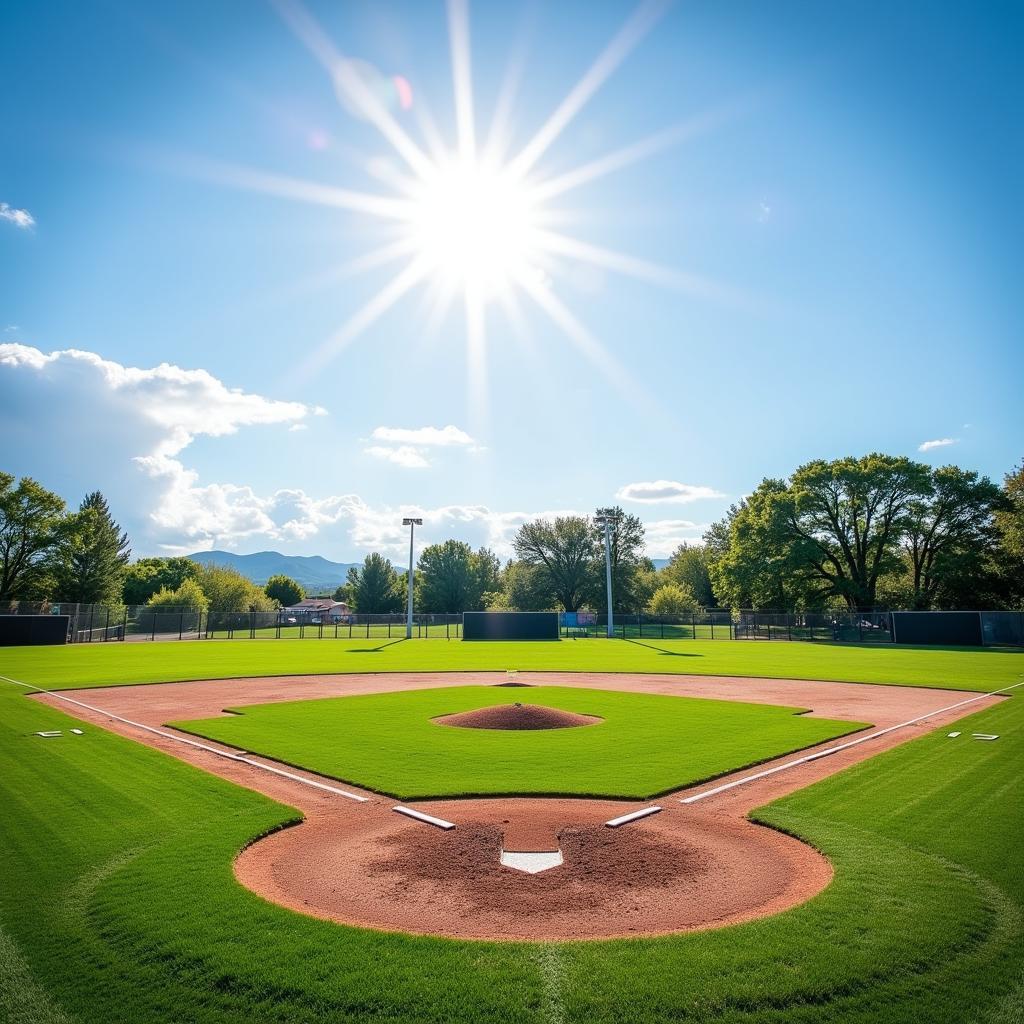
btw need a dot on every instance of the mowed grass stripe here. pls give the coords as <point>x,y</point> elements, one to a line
<point>84,665</point>
<point>646,745</point>
<point>118,894</point>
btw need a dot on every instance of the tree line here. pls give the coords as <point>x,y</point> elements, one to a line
<point>856,533</point>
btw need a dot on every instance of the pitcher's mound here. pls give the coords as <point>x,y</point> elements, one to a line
<point>518,716</point>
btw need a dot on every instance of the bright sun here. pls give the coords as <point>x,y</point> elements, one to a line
<point>474,225</point>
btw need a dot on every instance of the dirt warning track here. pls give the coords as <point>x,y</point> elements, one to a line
<point>687,867</point>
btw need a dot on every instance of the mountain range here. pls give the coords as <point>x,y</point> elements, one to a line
<point>315,573</point>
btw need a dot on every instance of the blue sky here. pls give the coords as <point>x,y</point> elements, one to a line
<point>819,256</point>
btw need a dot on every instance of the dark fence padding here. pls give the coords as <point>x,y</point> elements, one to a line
<point>31,630</point>
<point>949,629</point>
<point>510,626</point>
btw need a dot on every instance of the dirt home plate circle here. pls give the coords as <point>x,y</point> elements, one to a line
<point>356,862</point>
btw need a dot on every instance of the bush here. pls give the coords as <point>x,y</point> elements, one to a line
<point>673,599</point>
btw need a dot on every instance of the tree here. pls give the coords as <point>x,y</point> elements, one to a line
<point>94,571</point>
<point>627,555</point>
<point>284,590</point>
<point>673,599</point>
<point>451,577</point>
<point>374,586</point>
<point>34,527</point>
<point>563,554</point>
<point>227,590</point>
<point>523,589</point>
<point>948,536</point>
<point>146,576</point>
<point>688,566</point>
<point>1009,528</point>
<point>189,595</point>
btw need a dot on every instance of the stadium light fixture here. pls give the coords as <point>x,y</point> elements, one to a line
<point>607,522</point>
<point>412,524</point>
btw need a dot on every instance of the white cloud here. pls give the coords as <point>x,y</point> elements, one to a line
<point>655,492</point>
<point>406,446</point>
<point>663,536</point>
<point>21,218</point>
<point>404,455</point>
<point>424,436</point>
<point>942,442</point>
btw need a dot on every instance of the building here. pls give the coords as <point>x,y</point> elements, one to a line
<point>317,609</point>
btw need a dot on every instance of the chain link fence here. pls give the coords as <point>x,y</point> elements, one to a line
<point>92,623</point>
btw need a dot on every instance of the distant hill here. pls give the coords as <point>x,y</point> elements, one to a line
<point>314,572</point>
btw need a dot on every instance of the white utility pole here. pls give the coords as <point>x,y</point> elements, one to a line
<point>412,524</point>
<point>607,523</point>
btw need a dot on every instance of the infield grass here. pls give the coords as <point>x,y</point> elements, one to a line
<point>647,744</point>
<point>102,664</point>
<point>118,906</point>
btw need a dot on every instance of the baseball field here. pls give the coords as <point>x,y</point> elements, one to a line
<point>814,832</point>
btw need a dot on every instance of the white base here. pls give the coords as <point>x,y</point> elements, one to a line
<point>531,863</point>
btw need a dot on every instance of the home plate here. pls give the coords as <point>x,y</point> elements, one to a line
<point>531,863</point>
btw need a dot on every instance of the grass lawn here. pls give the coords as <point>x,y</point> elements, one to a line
<point>979,669</point>
<point>647,744</point>
<point>118,906</point>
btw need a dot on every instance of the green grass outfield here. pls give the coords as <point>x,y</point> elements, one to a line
<point>118,906</point>
<point>647,744</point>
<point>979,669</point>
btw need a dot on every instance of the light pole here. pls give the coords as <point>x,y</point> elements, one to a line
<point>412,524</point>
<point>606,522</point>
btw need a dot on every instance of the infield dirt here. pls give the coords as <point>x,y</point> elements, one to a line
<point>689,867</point>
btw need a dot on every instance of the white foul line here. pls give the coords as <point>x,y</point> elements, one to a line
<point>410,812</point>
<point>625,819</point>
<point>195,743</point>
<point>842,746</point>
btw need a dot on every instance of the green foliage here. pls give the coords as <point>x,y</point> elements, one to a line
<point>673,599</point>
<point>285,591</point>
<point>1009,525</point>
<point>388,742</point>
<point>35,534</point>
<point>855,530</point>
<point>146,576</point>
<point>562,554</point>
<point>188,595</point>
<point>451,577</point>
<point>627,559</point>
<point>374,587</point>
<point>94,570</point>
<point>688,567</point>
<point>227,590</point>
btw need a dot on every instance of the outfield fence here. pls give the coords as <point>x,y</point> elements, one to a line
<point>93,623</point>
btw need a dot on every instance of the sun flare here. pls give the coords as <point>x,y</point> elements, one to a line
<point>474,226</point>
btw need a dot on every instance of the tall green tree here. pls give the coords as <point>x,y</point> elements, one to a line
<point>688,567</point>
<point>35,530</point>
<point>562,553</point>
<point>189,595</point>
<point>94,571</point>
<point>374,587</point>
<point>147,576</point>
<point>523,589</point>
<point>673,599</point>
<point>949,533</point>
<point>627,557</point>
<point>451,577</point>
<point>284,590</point>
<point>1008,554</point>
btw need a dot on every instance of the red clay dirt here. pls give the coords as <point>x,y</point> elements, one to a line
<point>516,716</point>
<point>689,867</point>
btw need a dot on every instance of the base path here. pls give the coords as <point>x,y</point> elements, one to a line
<point>689,867</point>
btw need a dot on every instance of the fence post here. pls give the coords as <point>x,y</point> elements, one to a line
<point>152,635</point>
<point>789,626</point>
<point>181,624</point>
<point>367,627</point>
<point>124,626</point>
<point>860,627</point>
